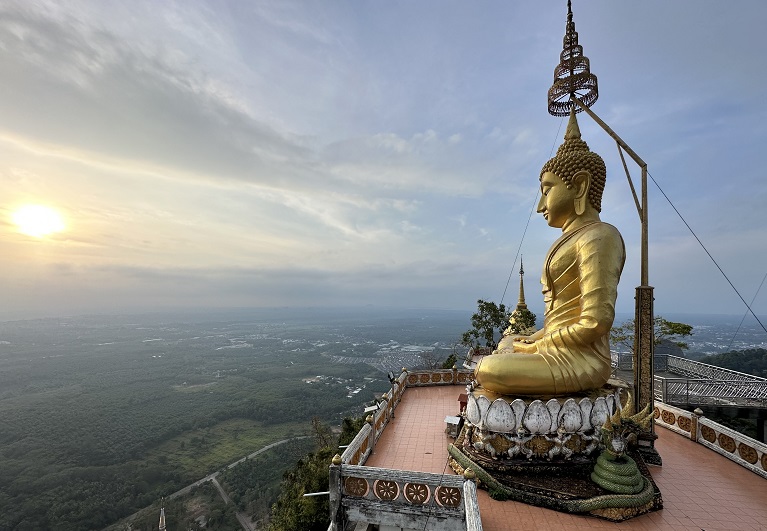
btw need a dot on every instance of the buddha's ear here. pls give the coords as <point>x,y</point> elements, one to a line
<point>581,182</point>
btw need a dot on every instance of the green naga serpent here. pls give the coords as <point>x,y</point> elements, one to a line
<point>615,471</point>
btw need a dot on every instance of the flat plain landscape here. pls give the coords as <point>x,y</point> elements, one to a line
<point>103,415</point>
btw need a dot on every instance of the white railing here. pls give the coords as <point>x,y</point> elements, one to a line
<point>400,498</point>
<point>735,446</point>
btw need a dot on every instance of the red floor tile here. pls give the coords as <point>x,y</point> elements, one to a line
<point>701,489</point>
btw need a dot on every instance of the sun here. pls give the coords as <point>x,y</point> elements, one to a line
<point>37,220</point>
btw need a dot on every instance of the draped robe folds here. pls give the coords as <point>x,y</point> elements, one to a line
<point>580,285</point>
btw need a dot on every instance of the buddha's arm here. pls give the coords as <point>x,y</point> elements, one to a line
<point>600,257</point>
<point>535,336</point>
<point>527,343</point>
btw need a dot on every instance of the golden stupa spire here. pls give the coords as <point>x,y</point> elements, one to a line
<point>521,305</point>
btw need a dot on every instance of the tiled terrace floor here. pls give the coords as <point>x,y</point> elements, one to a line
<point>701,489</point>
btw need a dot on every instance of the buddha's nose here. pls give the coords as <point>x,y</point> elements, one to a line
<point>541,204</point>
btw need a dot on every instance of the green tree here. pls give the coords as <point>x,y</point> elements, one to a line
<point>749,361</point>
<point>522,321</point>
<point>663,330</point>
<point>488,319</point>
<point>311,474</point>
<point>450,361</point>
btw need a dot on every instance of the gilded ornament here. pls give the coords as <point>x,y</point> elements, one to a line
<point>416,493</point>
<point>726,442</point>
<point>356,487</point>
<point>540,446</point>
<point>708,434</point>
<point>684,423</point>
<point>668,417</point>
<point>448,496</point>
<point>748,454</point>
<point>386,490</point>
<point>572,76</point>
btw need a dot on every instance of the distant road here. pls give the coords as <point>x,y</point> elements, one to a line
<point>209,477</point>
<point>244,520</point>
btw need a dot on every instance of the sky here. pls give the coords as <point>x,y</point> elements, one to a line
<point>348,153</point>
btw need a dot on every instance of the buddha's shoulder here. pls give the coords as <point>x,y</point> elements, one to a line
<point>600,230</point>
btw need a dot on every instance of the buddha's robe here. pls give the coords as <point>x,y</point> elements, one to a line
<point>572,353</point>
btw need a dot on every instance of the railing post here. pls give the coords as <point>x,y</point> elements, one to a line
<point>694,425</point>
<point>470,502</point>
<point>334,486</point>
<point>372,435</point>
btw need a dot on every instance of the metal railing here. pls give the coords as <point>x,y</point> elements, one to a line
<point>700,391</point>
<point>700,383</point>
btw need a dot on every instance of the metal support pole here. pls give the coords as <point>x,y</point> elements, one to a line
<point>644,353</point>
<point>644,334</point>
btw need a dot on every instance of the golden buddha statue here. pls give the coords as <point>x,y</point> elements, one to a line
<point>571,353</point>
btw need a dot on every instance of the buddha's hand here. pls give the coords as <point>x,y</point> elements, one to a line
<point>524,346</point>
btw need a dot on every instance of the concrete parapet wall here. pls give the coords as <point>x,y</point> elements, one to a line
<point>735,446</point>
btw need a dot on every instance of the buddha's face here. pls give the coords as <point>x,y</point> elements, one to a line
<point>557,202</point>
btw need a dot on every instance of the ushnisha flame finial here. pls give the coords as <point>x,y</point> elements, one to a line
<point>572,76</point>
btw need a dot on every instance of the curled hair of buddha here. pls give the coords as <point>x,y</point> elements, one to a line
<point>574,156</point>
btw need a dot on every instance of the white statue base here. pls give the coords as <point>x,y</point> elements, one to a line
<point>507,428</point>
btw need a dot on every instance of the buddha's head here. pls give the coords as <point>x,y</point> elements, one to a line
<point>573,160</point>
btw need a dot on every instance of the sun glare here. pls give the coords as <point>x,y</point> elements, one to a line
<point>37,220</point>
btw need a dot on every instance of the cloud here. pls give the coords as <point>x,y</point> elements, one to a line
<point>360,151</point>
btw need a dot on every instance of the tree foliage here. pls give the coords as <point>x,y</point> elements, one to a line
<point>750,361</point>
<point>521,322</point>
<point>451,360</point>
<point>663,329</point>
<point>488,322</point>
<point>96,423</point>
<point>310,474</point>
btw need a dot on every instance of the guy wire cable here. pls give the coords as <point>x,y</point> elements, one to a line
<point>433,502</point>
<point>529,217</point>
<point>708,253</point>
<point>745,314</point>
